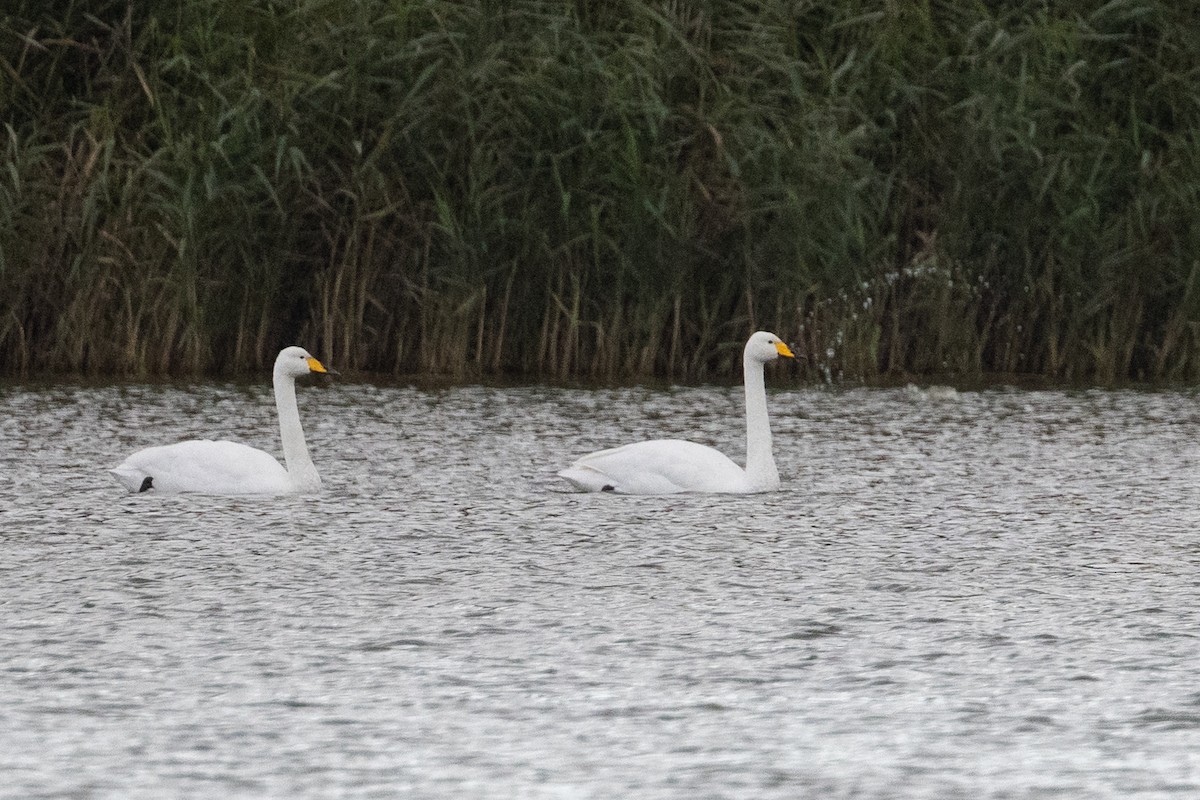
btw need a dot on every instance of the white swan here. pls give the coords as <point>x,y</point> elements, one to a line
<point>209,467</point>
<point>669,466</point>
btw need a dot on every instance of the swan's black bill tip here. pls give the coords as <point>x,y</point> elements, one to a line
<point>147,484</point>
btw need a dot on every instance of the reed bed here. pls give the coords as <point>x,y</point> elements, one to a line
<point>601,190</point>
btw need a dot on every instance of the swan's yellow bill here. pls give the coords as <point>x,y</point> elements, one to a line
<point>783,350</point>
<point>316,366</point>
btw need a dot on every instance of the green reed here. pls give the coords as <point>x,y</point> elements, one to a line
<point>601,190</point>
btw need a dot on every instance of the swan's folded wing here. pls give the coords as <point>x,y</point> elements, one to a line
<point>205,466</point>
<point>661,466</point>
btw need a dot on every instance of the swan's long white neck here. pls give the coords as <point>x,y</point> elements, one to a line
<point>295,451</point>
<point>760,463</point>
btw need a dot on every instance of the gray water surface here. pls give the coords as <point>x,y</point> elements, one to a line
<point>991,595</point>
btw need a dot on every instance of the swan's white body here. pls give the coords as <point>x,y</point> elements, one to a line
<point>670,466</point>
<point>210,467</point>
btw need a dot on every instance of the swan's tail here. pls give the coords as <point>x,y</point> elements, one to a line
<point>131,478</point>
<point>585,479</point>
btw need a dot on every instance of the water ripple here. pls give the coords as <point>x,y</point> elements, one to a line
<point>990,594</point>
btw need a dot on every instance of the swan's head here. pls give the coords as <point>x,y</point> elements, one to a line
<point>764,347</point>
<point>296,361</point>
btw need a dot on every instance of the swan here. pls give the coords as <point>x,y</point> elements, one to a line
<point>209,467</point>
<point>669,466</point>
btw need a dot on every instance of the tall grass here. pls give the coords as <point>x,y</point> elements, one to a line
<point>601,189</point>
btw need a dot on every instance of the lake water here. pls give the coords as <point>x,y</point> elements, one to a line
<point>994,595</point>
